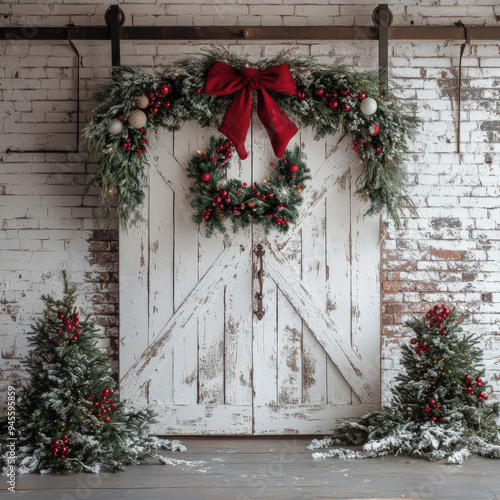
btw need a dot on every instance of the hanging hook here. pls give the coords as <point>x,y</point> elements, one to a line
<point>459,117</point>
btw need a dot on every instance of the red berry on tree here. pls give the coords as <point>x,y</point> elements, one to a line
<point>301,94</point>
<point>442,332</point>
<point>320,92</point>
<point>154,110</point>
<point>217,199</point>
<point>413,341</point>
<point>378,149</point>
<point>334,104</point>
<point>479,379</point>
<point>361,96</point>
<point>223,193</point>
<point>432,402</point>
<point>418,350</point>
<point>227,201</point>
<point>434,419</point>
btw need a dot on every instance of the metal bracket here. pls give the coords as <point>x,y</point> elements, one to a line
<point>77,148</point>
<point>115,18</point>
<point>382,18</point>
<point>259,252</point>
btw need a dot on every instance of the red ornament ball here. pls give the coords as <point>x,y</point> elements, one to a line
<point>154,110</point>
<point>432,402</point>
<point>362,96</point>
<point>167,104</point>
<point>301,94</point>
<point>413,341</point>
<point>294,168</point>
<point>320,92</point>
<point>379,149</point>
<point>223,193</point>
<point>227,201</point>
<point>334,104</point>
<point>418,350</point>
<point>107,419</point>
<point>434,419</point>
<point>163,89</point>
<point>346,108</point>
<point>479,379</point>
<point>374,130</point>
<point>217,199</point>
<point>205,176</point>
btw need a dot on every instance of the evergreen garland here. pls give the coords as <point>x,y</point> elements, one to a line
<point>121,157</point>
<point>439,407</point>
<point>272,203</point>
<point>68,416</point>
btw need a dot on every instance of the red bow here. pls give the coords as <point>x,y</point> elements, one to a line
<point>223,80</point>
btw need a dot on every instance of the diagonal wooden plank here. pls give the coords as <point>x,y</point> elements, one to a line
<point>358,373</point>
<point>331,171</point>
<point>224,268</point>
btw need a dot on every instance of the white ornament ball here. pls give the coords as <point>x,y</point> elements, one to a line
<point>142,102</point>
<point>115,126</point>
<point>368,106</point>
<point>137,118</point>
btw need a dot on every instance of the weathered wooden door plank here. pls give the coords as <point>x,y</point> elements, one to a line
<point>347,361</point>
<point>195,302</point>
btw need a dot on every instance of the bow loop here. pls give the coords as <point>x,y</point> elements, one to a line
<point>224,80</point>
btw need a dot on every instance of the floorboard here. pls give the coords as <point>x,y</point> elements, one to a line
<point>272,468</point>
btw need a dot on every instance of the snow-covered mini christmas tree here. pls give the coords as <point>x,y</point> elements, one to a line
<point>439,406</point>
<point>68,416</point>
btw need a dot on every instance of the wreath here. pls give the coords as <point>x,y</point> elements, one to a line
<point>328,98</point>
<point>272,203</point>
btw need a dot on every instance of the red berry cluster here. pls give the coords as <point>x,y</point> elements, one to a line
<point>279,221</point>
<point>206,213</point>
<point>100,401</point>
<point>69,325</point>
<point>436,316</point>
<point>430,411</point>
<point>127,145</point>
<point>469,384</point>
<point>421,346</point>
<point>159,98</point>
<point>226,149</point>
<point>361,143</point>
<point>341,98</point>
<point>58,447</point>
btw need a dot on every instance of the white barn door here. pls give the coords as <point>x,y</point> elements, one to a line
<point>191,346</point>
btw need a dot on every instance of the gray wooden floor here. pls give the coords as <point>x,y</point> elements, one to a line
<point>272,468</point>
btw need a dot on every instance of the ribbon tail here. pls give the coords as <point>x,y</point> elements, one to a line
<point>279,127</point>
<point>237,121</point>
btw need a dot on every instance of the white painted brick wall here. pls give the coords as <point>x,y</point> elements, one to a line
<point>451,252</point>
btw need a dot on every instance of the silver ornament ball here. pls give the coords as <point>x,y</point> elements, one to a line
<point>115,127</point>
<point>368,106</point>
<point>137,118</point>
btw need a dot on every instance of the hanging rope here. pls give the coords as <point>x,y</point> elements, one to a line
<point>462,49</point>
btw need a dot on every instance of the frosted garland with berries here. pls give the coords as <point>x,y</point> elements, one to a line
<point>272,203</point>
<point>329,99</point>
<point>439,405</point>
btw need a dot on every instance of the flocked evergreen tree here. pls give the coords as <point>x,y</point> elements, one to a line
<point>68,415</point>
<point>439,406</point>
